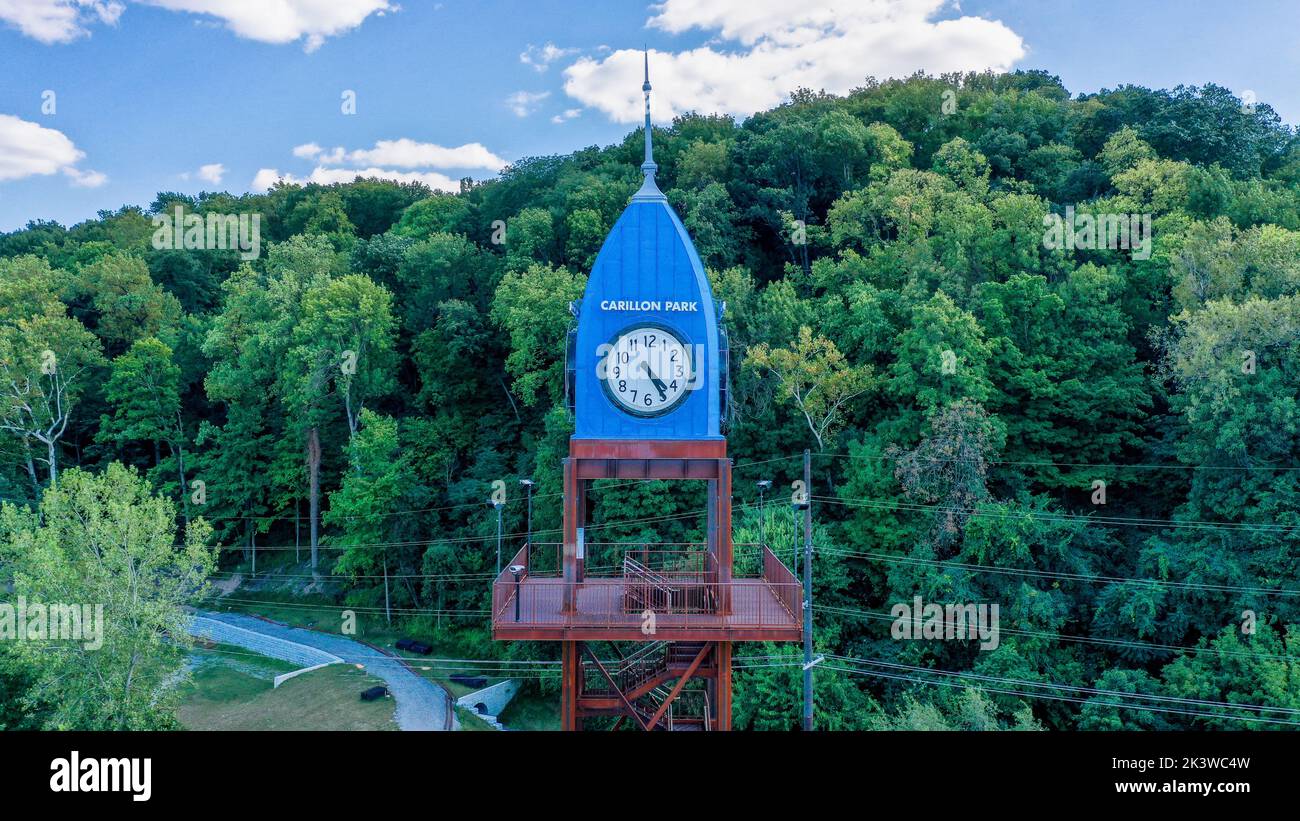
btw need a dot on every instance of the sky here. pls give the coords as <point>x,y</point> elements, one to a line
<point>104,103</point>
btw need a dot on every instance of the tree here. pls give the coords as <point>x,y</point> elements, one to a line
<point>814,376</point>
<point>365,509</point>
<point>105,539</point>
<point>532,306</point>
<point>295,268</point>
<point>344,341</point>
<point>949,469</point>
<point>129,305</point>
<point>45,363</point>
<point>246,346</point>
<point>443,267</point>
<point>144,391</point>
<point>438,214</point>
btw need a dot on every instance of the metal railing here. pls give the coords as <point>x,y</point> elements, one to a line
<point>648,586</point>
<point>606,603</point>
<point>605,559</point>
<point>783,583</point>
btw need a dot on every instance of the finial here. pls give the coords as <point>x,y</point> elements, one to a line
<point>649,190</point>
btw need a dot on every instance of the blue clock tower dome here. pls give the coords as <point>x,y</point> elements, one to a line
<point>648,357</point>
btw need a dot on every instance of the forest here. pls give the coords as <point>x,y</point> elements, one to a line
<point>1101,440</point>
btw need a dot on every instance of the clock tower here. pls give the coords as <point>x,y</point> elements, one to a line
<point>648,361</point>
<point>646,378</point>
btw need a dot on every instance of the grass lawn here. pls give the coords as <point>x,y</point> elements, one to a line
<point>529,711</point>
<point>470,722</point>
<point>317,614</point>
<point>526,712</point>
<point>235,693</point>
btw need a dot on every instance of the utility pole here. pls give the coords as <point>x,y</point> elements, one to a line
<point>807,595</point>
<point>795,507</point>
<point>499,506</point>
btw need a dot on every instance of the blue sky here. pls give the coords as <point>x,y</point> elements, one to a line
<point>146,96</point>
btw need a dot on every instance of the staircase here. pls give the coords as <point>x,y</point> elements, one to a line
<point>644,589</point>
<point>644,679</point>
<point>688,713</point>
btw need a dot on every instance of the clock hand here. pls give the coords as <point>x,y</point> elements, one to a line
<point>658,383</point>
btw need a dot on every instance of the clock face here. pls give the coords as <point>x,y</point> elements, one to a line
<point>647,370</point>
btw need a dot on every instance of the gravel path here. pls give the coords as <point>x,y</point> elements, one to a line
<point>421,704</point>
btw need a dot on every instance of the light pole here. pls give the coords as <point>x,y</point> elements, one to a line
<point>764,485</point>
<point>517,570</point>
<point>528,545</point>
<point>499,506</point>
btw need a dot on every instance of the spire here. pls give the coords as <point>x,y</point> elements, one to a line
<point>649,190</point>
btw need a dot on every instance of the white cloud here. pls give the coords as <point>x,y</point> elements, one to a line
<point>267,177</point>
<point>407,153</point>
<point>401,160</point>
<point>768,48</point>
<point>307,151</point>
<point>28,149</point>
<point>541,57</point>
<point>85,179</point>
<point>58,21</point>
<point>212,172</point>
<point>267,21</point>
<point>523,103</point>
<point>567,114</point>
<point>283,21</point>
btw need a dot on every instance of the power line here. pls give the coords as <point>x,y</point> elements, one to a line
<point>509,501</point>
<point>1112,466</point>
<point>1120,705</point>
<point>1132,643</point>
<point>1074,687</point>
<point>1052,574</point>
<point>355,608</point>
<point>490,538</point>
<point>1109,521</point>
<point>272,575</point>
<point>965,686</point>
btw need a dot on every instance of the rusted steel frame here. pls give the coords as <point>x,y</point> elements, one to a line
<point>642,449</point>
<point>569,685</point>
<point>722,684</point>
<point>648,469</point>
<point>681,682</point>
<point>571,524</point>
<point>631,710</point>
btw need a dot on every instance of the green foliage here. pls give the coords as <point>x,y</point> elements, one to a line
<point>532,306</point>
<point>107,540</point>
<point>986,409</point>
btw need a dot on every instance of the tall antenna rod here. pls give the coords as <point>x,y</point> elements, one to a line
<point>649,189</point>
